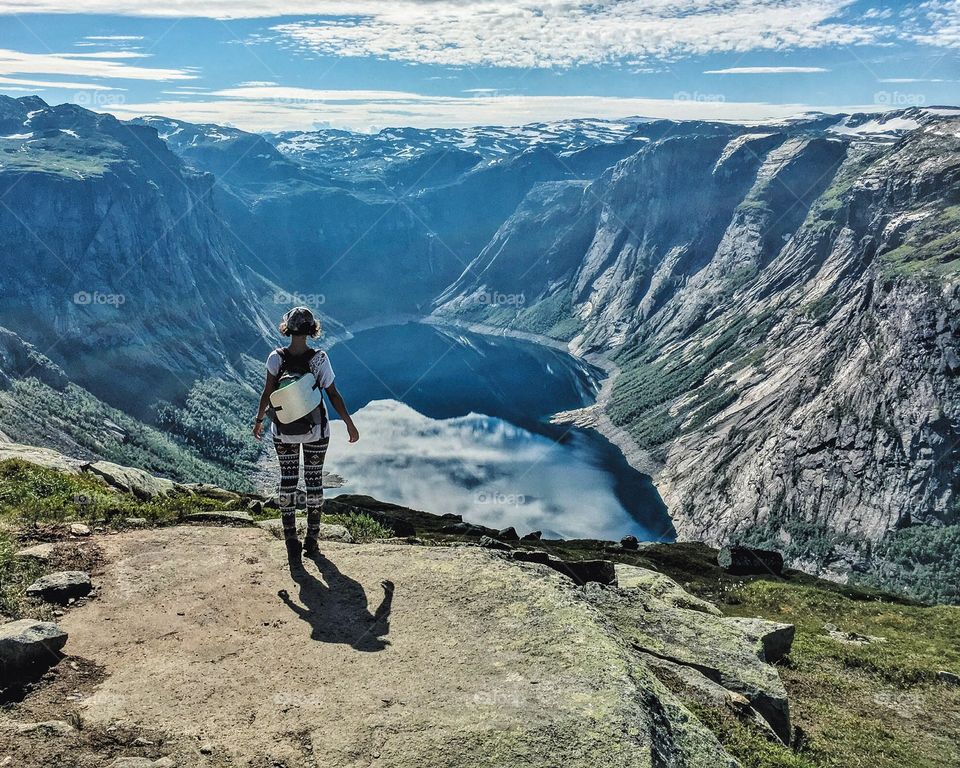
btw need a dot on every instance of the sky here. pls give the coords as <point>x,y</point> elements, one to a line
<point>369,64</point>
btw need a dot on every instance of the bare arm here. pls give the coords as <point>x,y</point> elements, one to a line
<point>336,400</point>
<point>268,387</point>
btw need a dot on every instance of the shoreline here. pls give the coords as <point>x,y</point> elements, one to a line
<point>592,416</point>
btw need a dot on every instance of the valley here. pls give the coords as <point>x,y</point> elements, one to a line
<point>781,300</point>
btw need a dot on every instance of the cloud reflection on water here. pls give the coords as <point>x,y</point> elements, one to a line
<point>486,469</point>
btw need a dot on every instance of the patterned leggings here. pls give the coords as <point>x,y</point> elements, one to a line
<point>313,456</point>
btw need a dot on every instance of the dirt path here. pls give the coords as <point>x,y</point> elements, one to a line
<point>471,660</point>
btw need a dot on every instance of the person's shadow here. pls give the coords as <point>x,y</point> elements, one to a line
<point>337,610</point>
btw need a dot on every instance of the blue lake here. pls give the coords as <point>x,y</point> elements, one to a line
<point>459,422</point>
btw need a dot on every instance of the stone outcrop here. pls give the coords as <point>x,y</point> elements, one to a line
<point>730,652</point>
<point>61,586</point>
<point>28,647</point>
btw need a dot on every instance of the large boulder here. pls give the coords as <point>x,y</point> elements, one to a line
<point>61,587</point>
<point>720,648</point>
<point>771,639</point>
<point>141,484</point>
<point>44,457</point>
<point>661,586</point>
<point>28,648</point>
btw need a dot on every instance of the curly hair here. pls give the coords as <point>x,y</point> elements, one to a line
<point>300,321</point>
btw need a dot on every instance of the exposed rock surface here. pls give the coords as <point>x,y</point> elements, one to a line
<point>468,659</point>
<point>28,647</point>
<point>141,484</point>
<point>722,649</point>
<point>61,586</point>
<point>662,587</point>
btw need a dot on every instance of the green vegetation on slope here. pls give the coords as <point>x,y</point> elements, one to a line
<point>59,153</point>
<point>74,412</point>
<point>931,246</point>
<point>214,420</point>
<point>649,384</point>
<point>871,700</point>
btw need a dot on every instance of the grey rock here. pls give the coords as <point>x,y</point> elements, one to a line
<point>45,728</point>
<point>136,522</point>
<point>61,587</point>
<point>720,648</point>
<point>42,552</point>
<point>28,647</point>
<point>950,678</point>
<point>693,679</point>
<point>532,536</point>
<point>630,542</point>
<point>773,638</point>
<point>508,534</point>
<point>141,484</point>
<point>488,542</point>
<point>79,529</point>
<point>662,587</point>
<point>532,556</point>
<point>464,529</point>
<point>255,507</point>
<point>231,517</point>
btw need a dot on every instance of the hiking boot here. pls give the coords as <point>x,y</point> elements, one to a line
<point>311,547</point>
<point>293,548</point>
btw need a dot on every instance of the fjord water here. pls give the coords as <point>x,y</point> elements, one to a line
<point>459,422</point>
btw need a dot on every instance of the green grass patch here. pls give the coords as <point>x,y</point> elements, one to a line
<point>76,413</point>
<point>930,249</point>
<point>362,527</point>
<point>31,496</point>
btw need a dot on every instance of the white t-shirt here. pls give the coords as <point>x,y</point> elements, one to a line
<point>321,368</point>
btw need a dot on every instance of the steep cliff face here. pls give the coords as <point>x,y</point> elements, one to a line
<point>115,260</point>
<point>783,304</point>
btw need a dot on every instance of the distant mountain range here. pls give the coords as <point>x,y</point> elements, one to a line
<point>781,298</point>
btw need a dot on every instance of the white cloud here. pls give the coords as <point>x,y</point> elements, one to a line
<point>81,65</point>
<point>915,80</point>
<point>275,109</point>
<point>115,38</point>
<point>107,55</point>
<point>562,33</point>
<point>526,33</point>
<point>34,84</point>
<point>481,468</point>
<point>763,70</point>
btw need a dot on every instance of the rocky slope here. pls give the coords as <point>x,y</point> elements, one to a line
<point>168,643</point>
<point>783,305</point>
<point>423,655</point>
<point>114,262</point>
